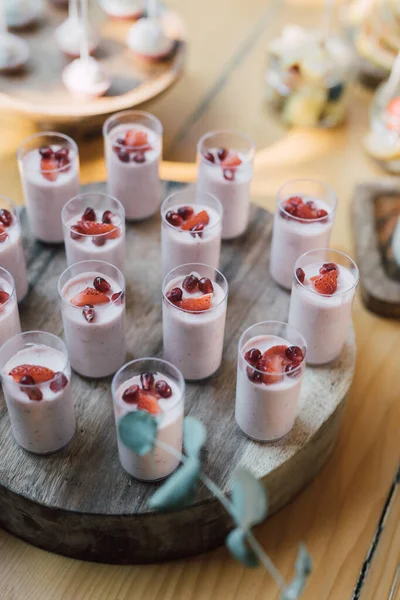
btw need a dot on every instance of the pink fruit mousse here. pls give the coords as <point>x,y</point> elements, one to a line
<point>37,388</point>
<point>194,314</point>
<point>268,387</point>
<point>94,235</point>
<point>320,307</point>
<point>226,173</point>
<point>50,177</point>
<point>9,316</point>
<point>11,250</point>
<point>160,396</point>
<point>133,153</point>
<point>301,223</point>
<point>191,233</point>
<point>93,312</point>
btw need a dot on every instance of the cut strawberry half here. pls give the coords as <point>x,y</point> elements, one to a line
<point>89,296</point>
<point>327,283</point>
<point>202,218</point>
<point>136,138</point>
<point>232,160</point>
<point>39,374</point>
<point>197,304</point>
<point>48,167</point>
<point>96,228</point>
<point>148,402</point>
<point>4,296</point>
<point>274,360</point>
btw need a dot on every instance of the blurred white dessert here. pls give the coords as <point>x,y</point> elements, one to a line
<point>68,37</point>
<point>86,79</point>
<point>14,53</point>
<point>123,9</point>
<point>147,39</point>
<point>22,13</point>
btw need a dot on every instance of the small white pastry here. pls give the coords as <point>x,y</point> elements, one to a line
<point>86,79</point>
<point>14,53</point>
<point>123,9</point>
<point>21,13</point>
<point>68,37</point>
<point>147,39</point>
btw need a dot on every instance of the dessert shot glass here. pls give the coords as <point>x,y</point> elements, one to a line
<point>12,256</point>
<point>165,399</point>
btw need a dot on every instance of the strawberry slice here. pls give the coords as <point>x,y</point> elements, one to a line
<point>135,138</point>
<point>327,283</point>
<point>275,351</point>
<point>202,218</point>
<point>196,304</point>
<point>393,107</point>
<point>89,296</point>
<point>232,160</point>
<point>96,228</point>
<point>148,402</point>
<point>273,361</point>
<point>48,167</point>
<point>39,374</point>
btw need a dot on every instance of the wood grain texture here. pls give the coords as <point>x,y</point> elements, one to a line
<point>80,502</point>
<point>38,91</point>
<point>374,217</point>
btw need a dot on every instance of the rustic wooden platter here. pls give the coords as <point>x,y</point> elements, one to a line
<point>39,93</point>
<point>376,208</point>
<point>80,502</point>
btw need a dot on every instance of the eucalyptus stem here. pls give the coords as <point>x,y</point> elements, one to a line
<point>227,504</point>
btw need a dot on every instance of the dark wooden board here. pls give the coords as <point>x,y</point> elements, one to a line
<point>376,208</point>
<point>80,502</point>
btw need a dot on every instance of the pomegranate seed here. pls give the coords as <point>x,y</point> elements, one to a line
<point>228,174</point>
<point>118,297</point>
<point>289,369</point>
<point>311,204</point>
<point>4,296</point>
<point>99,240</point>
<point>206,286</point>
<point>27,380</point>
<point>147,381</point>
<point>321,213</point>
<point>197,230</point>
<point>222,153</point>
<point>46,152</point>
<point>88,313</point>
<point>254,376</point>
<point>163,389</point>
<point>62,153</point>
<point>123,155</point>
<point>139,157</point>
<point>33,393</point>
<point>101,285</point>
<point>59,382</point>
<point>76,232</point>
<point>120,141</point>
<point>107,217</point>
<point>89,214</point>
<point>190,283</point>
<point>294,353</point>
<point>63,163</point>
<point>6,217</point>
<point>326,267</point>
<point>300,274</point>
<point>209,156</point>
<point>131,394</point>
<point>174,295</point>
<point>173,218</point>
<point>3,237</point>
<point>185,212</point>
<point>253,356</point>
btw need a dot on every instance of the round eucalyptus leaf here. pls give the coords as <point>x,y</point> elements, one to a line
<point>194,436</point>
<point>179,489</point>
<point>249,499</point>
<point>236,543</point>
<point>138,431</point>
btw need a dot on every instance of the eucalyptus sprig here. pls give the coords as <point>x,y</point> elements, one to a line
<point>247,505</point>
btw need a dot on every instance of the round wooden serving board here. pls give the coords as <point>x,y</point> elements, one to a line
<point>79,502</point>
<point>38,92</point>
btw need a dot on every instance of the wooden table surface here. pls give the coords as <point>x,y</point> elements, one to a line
<point>338,514</point>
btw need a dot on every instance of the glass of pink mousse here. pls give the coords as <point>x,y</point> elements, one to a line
<point>157,387</point>
<point>94,229</point>
<point>36,380</point>
<point>190,229</point>
<point>133,146</point>
<point>304,216</point>
<point>49,169</point>
<point>271,364</point>
<point>225,170</point>
<point>324,284</point>
<point>12,256</point>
